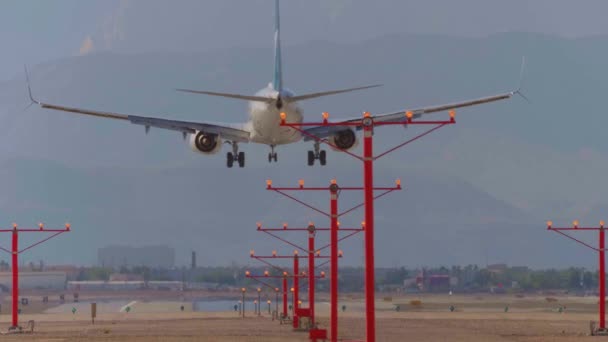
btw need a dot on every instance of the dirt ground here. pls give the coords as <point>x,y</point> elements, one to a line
<point>475,318</point>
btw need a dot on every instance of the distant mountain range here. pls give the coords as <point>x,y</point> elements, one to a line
<point>480,190</point>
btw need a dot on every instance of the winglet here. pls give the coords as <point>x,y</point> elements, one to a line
<point>29,89</point>
<point>521,71</point>
<point>521,79</point>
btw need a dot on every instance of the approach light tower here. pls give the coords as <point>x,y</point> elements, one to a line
<point>368,123</point>
<point>601,249</point>
<point>14,252</point>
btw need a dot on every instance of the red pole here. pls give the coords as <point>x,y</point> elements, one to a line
<point>368,183</point>
<point>334,262</point>
<point>293,305</point>
<point>602,281</point>
<point>259,303</point>
<point>311,275</point>
<point>243,306</point>
<point>15,252</point>
<point>296,289</point>
<point>284,296</point>
<point>276,301</point>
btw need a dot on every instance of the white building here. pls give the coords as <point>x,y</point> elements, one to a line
<point>95,285</point>
<point>54,280</point>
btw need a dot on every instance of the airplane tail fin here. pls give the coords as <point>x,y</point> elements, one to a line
<point>277,80</point>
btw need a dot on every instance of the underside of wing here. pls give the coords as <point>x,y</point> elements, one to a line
<point>225,130</point>
<point>228,132</point>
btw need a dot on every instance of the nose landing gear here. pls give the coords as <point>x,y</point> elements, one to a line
<point>272,155</point>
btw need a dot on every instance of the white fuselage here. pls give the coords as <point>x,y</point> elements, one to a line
<point>265,119</point>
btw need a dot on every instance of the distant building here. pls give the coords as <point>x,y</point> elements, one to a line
<point>435,282</point>
<point>454,282</point>
<point>70,270</point>
<point>96,285</point>
<point>498,289</point>
<point>35,280</point>
<point>497,268</point>
<point>126,277</point>
<point>123,285</point>
<point>167,285</point>
<point>149,256</point>
<point>410,282</point>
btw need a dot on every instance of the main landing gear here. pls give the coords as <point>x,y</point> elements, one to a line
<point>235,156</point>
<point>319,154</point>
<point>272,155</point>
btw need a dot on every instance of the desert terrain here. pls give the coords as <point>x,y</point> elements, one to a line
<point>482,317</point>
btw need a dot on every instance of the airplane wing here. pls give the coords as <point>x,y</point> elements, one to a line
<point>225,130</point>
<point>326,131</point>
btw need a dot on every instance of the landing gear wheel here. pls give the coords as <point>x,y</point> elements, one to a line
<point>311,158</point>
<point>272,156</point>
<point>322,158</point>
<point>229,159</point>
<point>241,159</point>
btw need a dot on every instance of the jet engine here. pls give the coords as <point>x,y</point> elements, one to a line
<point>345,140</point>
<point>205,143</point>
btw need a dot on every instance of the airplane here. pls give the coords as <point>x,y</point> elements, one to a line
<point>265,112</point>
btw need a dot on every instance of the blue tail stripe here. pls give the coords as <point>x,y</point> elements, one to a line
<point>277,81</point>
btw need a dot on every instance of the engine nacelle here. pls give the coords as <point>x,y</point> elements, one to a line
<point>344,140</point>
<point>205,143</point>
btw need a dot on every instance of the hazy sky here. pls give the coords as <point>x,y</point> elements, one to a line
<point>37,31</point>
<point>34,31</point>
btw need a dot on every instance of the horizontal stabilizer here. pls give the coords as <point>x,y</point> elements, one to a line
<point>233,96</point>
<point>330,92</point>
